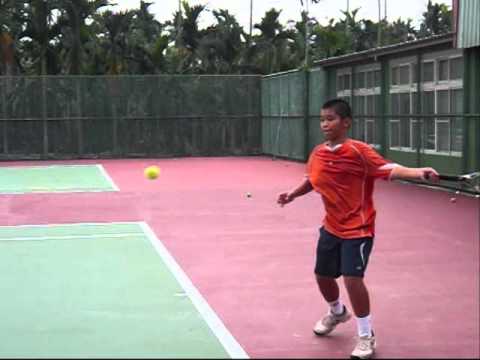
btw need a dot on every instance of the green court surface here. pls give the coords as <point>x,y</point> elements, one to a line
<point>101,290</point>
<point>54,178</point>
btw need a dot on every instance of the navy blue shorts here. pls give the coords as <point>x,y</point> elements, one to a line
<point>336,256</point>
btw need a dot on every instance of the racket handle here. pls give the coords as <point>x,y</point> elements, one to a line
<point>451,177</point>
<point>447,177</point>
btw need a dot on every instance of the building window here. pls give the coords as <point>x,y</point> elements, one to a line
<point>370,131</point>
<point>442,133</point>
<point>359,105</point>
<point>360,80</point>
<point>395,75</point>
<point>377,78</point>
<point>401,104</point>
<point>456,107</point>
<point>449,130</point>
<point>414,73</point>
<point>395,133</point>
<point>428,107</point>
<point>404,75</point>
<point>442,94</point>
<point>343,82</point>
<point>370,79</point>
<point>443,70</point>
<point>428,71</point>
<point>415,132</point>
<point>456,68</point>
<point>365,104</point>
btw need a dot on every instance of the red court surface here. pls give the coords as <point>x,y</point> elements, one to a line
<point>253,261</point>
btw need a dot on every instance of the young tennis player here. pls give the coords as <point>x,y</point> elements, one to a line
<point>343,171</point>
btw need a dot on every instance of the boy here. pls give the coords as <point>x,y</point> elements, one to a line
<point>343,171</point>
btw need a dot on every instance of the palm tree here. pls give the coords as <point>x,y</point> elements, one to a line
<point>39,31</point>
<point>142,40</point>
<point>270,48</point>
<point>74,29</point>
<point>329,40</point>
<point>185,33</point>
<point>354,29</point>
<point>300,48</point>
<point>11,15</point>
<point>399,31</point>
<point>114,45</point>
<point>221,46</point>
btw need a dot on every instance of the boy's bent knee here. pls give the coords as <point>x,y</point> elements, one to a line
<point>353,280</point>
<point>324,279</point>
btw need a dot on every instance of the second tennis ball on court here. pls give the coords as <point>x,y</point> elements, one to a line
<point>151,172</point>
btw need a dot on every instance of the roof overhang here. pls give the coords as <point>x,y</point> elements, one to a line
<point>375,53</point>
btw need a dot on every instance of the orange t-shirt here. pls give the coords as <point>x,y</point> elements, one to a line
<point>344,175</point>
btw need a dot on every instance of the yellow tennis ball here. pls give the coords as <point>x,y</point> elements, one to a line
<point>152,172</point>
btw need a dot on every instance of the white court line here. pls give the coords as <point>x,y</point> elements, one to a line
<point>70,237</point>
<point>66,191</point>
<point>109,179</point>
<point>44,166</point>
<point>233,348</point>
<point>74,224</point>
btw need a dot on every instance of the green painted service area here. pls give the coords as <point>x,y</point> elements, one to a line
<point>54,178</point>
<point>100,290</point>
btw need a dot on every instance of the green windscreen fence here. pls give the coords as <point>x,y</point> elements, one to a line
<point>317,96</point>
<point>129,116</point>
<point>437,127</point>
<point>289,130</point>
<point>283,113</point>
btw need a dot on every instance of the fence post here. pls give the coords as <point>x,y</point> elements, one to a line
<point>44,116</point>
<point>3,91</point>
<point>472,91</point>
<point>78,83</point>
<point>306,111</point>
<point>383,121</point>
<point>466,109</point>
<point>418,108</point>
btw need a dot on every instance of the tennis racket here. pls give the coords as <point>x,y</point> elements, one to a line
<point>469,182</point>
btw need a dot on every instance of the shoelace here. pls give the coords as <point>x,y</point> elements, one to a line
<point>364,344</point>
<point>330,320</point>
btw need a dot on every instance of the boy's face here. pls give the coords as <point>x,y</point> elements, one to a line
<point>332,125</point>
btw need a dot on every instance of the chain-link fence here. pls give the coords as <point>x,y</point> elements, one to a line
<point>129,116</point>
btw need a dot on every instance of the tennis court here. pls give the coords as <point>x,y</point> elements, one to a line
<point>111,264</point>
<point>93,290</point>
<point>55,178</point>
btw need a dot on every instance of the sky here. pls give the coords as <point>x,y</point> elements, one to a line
<point>291,9</point>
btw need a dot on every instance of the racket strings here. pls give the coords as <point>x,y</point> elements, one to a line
<point>473,181</point>
<point>469,183</point>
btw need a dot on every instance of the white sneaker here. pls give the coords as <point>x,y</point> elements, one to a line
<point>330,322</point>
<point>365,348</point>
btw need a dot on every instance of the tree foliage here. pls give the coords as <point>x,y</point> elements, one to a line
<point>86,37</point>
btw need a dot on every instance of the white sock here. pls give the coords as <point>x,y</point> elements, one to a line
<point>364,326</point>
<point>336,307</point>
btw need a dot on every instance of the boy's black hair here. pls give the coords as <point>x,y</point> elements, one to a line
<point>340,106</point>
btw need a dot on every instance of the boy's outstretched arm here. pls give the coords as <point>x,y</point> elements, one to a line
<point>407,173</point>
<point>303,188</point>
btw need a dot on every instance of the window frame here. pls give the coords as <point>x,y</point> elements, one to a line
<point>434,86</point>
<point>454,57</point>
<point>433,62</point>
<point>344,92</point>
<point>362,94</point>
